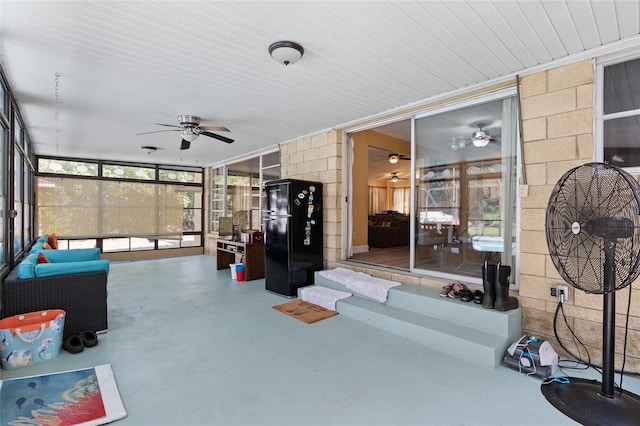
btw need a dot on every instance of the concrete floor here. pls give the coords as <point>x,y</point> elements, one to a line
<point>189,346</point>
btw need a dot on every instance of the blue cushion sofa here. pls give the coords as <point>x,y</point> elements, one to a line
<point>75,281</point>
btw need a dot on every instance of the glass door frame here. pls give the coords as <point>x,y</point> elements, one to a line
<point>489,97</point>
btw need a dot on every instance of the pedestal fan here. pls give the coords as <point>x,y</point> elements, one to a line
<point>593,236</point>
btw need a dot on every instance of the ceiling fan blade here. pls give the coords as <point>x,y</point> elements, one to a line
<point>168,125</point>
<point>215,128</point>
<point>185,144</point>
<point>158,131</point>
<point>213,135</point>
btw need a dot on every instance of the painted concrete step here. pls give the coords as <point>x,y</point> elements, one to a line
<point>320,280</point>
<point>462,329</point>
<point>427,301</point>
<point>466,343</point>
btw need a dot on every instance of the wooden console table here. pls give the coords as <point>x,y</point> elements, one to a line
<point>251,254</point>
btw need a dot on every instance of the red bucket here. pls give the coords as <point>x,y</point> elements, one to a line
<point>240,272</point>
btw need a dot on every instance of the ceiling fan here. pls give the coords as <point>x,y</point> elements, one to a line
<point>395,178</point>
<point>481,138</point>
<point>394,158</point>
<point>190,129</point>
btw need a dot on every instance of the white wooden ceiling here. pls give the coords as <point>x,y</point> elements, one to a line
<point>125,65</point>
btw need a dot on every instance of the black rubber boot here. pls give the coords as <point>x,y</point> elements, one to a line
<point>489,284</point>
<point>503,301</point>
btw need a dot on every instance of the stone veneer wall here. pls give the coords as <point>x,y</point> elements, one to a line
<point>319,158</point>
<point>557,129</point>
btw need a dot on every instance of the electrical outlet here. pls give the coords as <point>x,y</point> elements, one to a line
<point>562,292</point>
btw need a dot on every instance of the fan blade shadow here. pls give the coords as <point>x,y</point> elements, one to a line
<point>221,138</point>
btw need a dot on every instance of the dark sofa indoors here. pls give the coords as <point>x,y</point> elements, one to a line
<point>388,230</point>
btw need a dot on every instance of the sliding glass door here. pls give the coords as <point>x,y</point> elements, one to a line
<point>465,193</point>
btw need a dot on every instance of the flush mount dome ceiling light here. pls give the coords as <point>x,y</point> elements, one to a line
<point>286,52</point>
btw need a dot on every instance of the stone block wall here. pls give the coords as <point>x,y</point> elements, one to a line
<point>319,158</point>
<point>557,130</point>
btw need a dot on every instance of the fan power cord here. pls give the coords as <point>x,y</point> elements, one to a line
<point>626,334</point>
<point>576,340</point>
<point>578,359</point>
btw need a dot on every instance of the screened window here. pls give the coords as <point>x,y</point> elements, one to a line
<point>180,176</point>
<point>218,197</point>
<point>3,195</point>
<point>119,171</point>
<point>67,167</point>
<point>620,113</point>
<point>18,196</point>
<point>236,192</point>
<point>99,208</point>
<point>3,100</point>
<point>119,206</point>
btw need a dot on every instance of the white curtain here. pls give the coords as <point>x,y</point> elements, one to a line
<point>401,200</point>
<point>377,199</point>
<point>240,197</point>
<point>509,144</point>
<point>349,199</point>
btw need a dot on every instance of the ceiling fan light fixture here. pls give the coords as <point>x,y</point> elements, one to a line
<point>394,178</point>
<point>394,158</point>
<point>286,52</point>
<point>189,134</point>
<point>480,143</point>
<point>480,138</point>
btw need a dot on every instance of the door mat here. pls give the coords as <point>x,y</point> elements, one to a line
<point>304,311</point>
<point>80,397</point>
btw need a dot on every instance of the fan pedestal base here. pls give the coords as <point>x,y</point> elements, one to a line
<point>582,401</point>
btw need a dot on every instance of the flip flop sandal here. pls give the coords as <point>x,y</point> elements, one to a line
<point>465,295</point>
<point>73,344</point>
<point>89,338</point>
<point>478,296</point>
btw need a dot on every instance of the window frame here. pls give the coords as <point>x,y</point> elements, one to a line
<point>600,116</point>
<point>187,239</point>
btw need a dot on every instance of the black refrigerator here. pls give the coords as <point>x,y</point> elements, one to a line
<point>293,234</point>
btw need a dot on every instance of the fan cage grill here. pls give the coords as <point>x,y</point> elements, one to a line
<point>584,193</point>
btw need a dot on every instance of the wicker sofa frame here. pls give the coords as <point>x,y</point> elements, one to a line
<point>82,296</point>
